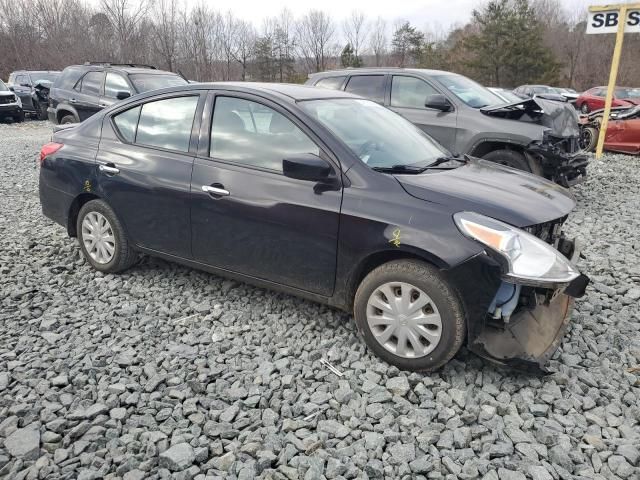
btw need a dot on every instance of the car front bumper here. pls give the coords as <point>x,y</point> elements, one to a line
<point>10,109</point>
<point>530,336</point>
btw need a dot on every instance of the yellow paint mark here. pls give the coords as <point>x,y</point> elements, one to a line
<point>396,237</point>
<point>87,186</point>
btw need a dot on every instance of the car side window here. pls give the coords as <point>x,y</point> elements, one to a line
<point>92,83</point>
<point>368,86</point>
<point>127,123</point>
<point>167,123</point>
<point>115,83</point>
<point>332,83</point>
<point>253,134</point>
<point>410,92</point>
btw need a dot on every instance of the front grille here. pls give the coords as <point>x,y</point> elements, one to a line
<point>549,231</point>
<point>7,99</point>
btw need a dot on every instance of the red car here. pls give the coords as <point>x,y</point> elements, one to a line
<point>593,99</point>
<point>623,131</point>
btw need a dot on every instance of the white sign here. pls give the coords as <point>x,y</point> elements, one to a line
<point>607,22</point>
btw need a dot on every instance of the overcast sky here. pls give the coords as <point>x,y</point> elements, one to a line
<point>425,14</point>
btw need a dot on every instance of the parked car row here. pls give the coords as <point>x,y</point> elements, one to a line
<point>80,91</point>
<point>366,195</point>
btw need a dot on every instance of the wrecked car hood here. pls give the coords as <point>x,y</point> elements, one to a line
<point>560,117</point>
<point>515,197</point>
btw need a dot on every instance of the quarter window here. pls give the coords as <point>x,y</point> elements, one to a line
<point>115,83</point>
<point>410,92</point>
<point>167,123</point>
<point>368,86</point>
<point>92,83</point>
<point>253,134</point>
<point>332,83</point>
<point>126,122</point>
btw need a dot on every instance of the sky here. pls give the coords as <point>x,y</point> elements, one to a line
<point>435,15</point>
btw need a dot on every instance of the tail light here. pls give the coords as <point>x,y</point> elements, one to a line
<point>48,149</point>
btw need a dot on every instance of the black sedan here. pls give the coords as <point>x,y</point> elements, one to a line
<point>331,197</point>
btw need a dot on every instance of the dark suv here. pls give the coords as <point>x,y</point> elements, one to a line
<point>83,90</point>
<point>32,87</point>
<point>535,135</point>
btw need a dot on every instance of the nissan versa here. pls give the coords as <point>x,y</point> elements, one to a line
<point>328,196</point>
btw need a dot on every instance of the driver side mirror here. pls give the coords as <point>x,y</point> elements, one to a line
<point>122,95</point>
<point>306,166</point>
<point>438,102</point>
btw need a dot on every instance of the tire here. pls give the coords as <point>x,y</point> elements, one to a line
<point>584,108</point>
<point>67,119</point>
<point>588,138</point>
<point>19,118</point>
<point>122,255</point>
<point>442,299</point>
<point>510,158</point>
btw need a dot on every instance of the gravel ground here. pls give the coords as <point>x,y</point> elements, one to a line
<point>167,372</point>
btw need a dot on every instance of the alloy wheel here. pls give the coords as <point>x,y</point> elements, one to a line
<point>98,238</point>
<point>404,319</point>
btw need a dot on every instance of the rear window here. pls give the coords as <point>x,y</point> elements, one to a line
<point>143,82</point>
<point>69,78</point>
<point>332,83</point>
<point>368,86</point>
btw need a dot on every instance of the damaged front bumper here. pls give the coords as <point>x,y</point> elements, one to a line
<point>566,169</point>
<point>525,327</point>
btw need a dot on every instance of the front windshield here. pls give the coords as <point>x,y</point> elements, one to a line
<point>38,77</point>
<point>510,96</point>
<point>3,87</point>
<point>470,92</point>
<point>378,136</point>
<point>144,82</point>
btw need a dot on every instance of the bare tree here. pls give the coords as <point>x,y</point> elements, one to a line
<point>166,31</point>
<point>125,17</point>
<point>355,31</point>
<point>245,40</point>
<point>378,40</point>
<point>315,32</point>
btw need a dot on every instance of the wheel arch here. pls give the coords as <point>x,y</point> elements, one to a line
<point>61,112</point>
<point>74,210</point>
<point>374,260</point>
<point>486,146</point>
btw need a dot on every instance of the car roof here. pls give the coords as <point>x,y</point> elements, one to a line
<point>379,70</point>
<point>290,91</point>
<point>122,68</point>
<point>34,71</point>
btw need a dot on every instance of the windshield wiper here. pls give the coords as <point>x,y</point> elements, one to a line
<point>400,169</point>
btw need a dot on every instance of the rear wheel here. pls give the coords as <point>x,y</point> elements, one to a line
<point>102,238</point>
<point>409,315</point>
<point>67,119</point>
<point>510,158</point>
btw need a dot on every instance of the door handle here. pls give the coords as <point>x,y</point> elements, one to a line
<point>73,100</point>
<point>215,190</point>
<point>108,169</point>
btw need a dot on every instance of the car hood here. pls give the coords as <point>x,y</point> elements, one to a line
<point>560,117</point>
<point>515,197</point>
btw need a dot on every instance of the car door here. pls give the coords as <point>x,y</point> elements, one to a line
<point>114,84</point>
<point>145,159</point>
<point>408,95</point>
<point>86,95</point>
<point>246,216</point>
<point>22,87</point>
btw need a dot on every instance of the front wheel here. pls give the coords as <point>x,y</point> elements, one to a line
<point>41,111</point>
<point>409,315</point>
<point>67,119</point>
<point>102,238</point>
<point>19,118</point>
<point>511,158</point>
<point>588,139</point>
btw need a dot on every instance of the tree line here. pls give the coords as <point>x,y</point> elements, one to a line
<point>506,42</point>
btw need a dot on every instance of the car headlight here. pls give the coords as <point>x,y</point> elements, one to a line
<point>529,259</point>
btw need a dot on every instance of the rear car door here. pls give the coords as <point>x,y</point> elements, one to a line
<point>86,95</point>
<point>408,95</point>
<point>253,220</point>
<point>144,162</point>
